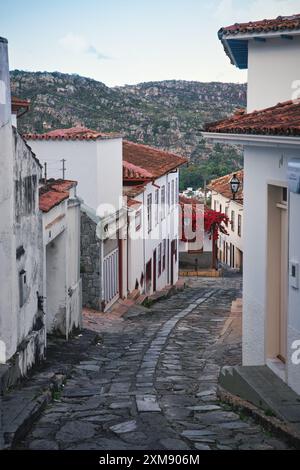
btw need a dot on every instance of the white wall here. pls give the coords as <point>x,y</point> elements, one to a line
<point>28,232</point>
<point>110,173</point>
<point>139,251</point>
<point>263,166</point>
<point>294,294</point>
<point>232,237</point>
<point>96,165</point>
<point>273,66</point>
<point>8,322</point>
<point>61,234</point>
<point>81,163</point>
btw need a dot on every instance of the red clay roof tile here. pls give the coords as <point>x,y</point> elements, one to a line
<point>281,23</point>
<point>282,119</point>
<point>53,193</point>
<point>133,172</point>
<point>155,161</point>
<point>72,133</point>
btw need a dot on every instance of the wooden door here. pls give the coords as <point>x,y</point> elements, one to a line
<point>283,284</point>
<point>154,270</point>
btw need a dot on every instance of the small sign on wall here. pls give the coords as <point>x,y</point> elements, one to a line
<point>294,175</point>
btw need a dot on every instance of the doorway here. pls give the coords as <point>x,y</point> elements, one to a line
<point>277,280</point>
<point>154,270</point>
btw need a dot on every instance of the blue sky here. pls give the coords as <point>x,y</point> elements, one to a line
<point>129,41</point>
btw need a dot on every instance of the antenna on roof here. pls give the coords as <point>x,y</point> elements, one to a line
<point>45,172</point>
<point>63,160</point>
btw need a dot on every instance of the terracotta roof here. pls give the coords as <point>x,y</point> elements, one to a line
<point>53,193</point>
<point>281,23</point>
<point>72,133</point>
<point>282,119</point>
<point>235,37</point>
<point>222,186</point>
<point>155,161</point>
<point>133,172</point>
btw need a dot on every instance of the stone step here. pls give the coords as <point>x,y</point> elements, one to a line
<point>261,387</point>
<point>134,295</point>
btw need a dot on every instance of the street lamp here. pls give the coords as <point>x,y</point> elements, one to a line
<point>234,185</point>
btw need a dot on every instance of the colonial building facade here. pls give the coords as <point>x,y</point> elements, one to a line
<point>94,159</point>
<point>270,133</point>
<point>230,247</point>
<point>150,186</point>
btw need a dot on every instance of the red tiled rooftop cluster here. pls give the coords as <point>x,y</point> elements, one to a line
<point>282,119</point>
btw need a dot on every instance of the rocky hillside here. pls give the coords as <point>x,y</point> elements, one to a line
<point>167,114</point>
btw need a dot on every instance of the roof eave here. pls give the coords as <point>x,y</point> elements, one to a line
<point>257,140</point>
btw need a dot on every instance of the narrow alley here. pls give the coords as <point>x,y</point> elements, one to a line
<point>149,382</point>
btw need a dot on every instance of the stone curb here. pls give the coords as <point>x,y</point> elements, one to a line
<point>281,429</point>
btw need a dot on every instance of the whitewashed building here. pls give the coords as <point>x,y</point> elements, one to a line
<point>270,134</point>
<point>61,256</point>
<point>94,159</point>
<point>230,247</point>
<point>150,179</point>
<point>22,322</point>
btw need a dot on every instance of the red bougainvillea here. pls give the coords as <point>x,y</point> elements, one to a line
<point>215,223</point>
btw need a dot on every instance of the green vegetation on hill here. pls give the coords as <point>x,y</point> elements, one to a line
<point>167,114</point>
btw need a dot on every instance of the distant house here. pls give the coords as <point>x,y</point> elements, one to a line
<point>22,323</point>
<point>150,187</point>
<point>94,159</point>
<point>230,247</point>
<point>61,256</point>
<point>270,133</point>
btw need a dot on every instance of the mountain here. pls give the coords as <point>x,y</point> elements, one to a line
<point>167,114</point>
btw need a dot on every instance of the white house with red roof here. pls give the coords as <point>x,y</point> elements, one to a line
<point>150,188</point>
<point>269,131</point>
<point>94,159</point>
<point>60,209</point>
<point>230,247</point>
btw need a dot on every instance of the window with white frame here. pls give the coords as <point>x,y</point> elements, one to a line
<point>156,206</point>
<point>149,212</point>
<point>163,202</point>
<point>159,259</point>
<point>232,221</point>
<point>169,195</point>
<point>172,193</point>
<point>138,220</point>
<point>239,225</point>
<point>164,255</point>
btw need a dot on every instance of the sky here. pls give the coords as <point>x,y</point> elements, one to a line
<point>122,42</point>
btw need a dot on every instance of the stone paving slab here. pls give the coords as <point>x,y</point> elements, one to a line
<point>152,381</point>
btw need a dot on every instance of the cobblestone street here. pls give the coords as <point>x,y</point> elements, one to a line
<point>150,381</point>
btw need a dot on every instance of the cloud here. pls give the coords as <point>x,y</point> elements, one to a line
<point>77,44</point>
<point>231,11</point>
